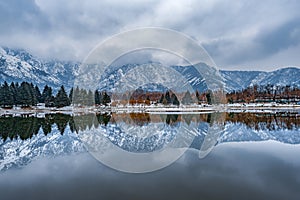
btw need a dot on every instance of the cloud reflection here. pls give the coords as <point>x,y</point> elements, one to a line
<point>229,172</point>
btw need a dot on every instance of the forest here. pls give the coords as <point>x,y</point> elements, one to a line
<point>27,94</point>
<point>267,93</point>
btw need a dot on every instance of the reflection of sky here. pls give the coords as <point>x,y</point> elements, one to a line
<point>261,170</point>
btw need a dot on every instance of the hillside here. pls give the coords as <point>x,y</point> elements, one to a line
<point>19,65</point>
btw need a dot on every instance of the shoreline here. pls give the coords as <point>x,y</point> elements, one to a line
<point>192,109</point>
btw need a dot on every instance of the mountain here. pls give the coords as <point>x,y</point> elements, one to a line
<point>19,65</point>
<point>110,79</point>
<point>238,80</point>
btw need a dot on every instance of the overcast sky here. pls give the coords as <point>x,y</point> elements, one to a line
<point>249,35</point>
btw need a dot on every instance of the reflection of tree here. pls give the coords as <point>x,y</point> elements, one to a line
<point>23,127</point>
<point>27,126</point>
<point>84,122</point>
<point>265,121</point>
<point>88,121</point>
<point>188,118</point>
<point>104,118</point>
<point>171,119</point>
<point>208,119</point>
<point>140,119</point>
<point>46,126</point>
<point>61,120</point>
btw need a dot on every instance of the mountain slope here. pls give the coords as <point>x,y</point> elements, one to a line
<point>19,65</point>
<point>238,80</point>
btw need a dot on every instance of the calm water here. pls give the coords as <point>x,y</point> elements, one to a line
<point>249,156</point>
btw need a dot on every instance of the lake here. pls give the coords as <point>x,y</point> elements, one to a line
<point>200,156</point>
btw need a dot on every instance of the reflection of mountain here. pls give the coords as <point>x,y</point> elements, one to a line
<point>18,152</point>
<point>25,138</point>
<point>239,132</point>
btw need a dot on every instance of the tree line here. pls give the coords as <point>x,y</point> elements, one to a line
<point>26,95</point>
<point>267,93</point>
<point>168,98</point>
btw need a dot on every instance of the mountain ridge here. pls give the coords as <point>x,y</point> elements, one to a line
<point>17,65</point>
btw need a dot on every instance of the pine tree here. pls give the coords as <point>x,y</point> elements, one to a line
<point>50,101</point>
<point>38,94</point>
<point>187,99</point>
<point>162,98</point>
<point>198,96</point>
<point>13,89</point>
<point>46,94</point>
<point>174,100</point>
<point>209,97</point>
<point>61,98</point>
<point>97,97</point>
<point>17,95</point>
<point>164,101</point>
<point>76,96</point>
<point>90,98</point>
<point>83,96</point>
<point>148,101</point>
<point>33,95</point>
<point>106,99</point>
<point>6,96</point>
<point>168,98</point>
<point>71,95</point>
<point>25,94</point>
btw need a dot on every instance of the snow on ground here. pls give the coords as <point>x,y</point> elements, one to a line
<point>41,110</point>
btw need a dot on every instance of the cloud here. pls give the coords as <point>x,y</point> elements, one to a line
<point>229,172</point>
<point>235,34</point>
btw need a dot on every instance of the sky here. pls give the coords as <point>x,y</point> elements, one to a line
<point>245,35</point>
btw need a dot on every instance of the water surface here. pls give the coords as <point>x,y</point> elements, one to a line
<point>256,156</point>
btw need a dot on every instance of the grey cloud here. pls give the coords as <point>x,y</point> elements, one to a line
<point>266,42</point>
<point>281,37</point>
<point>234,33</point>
<point>226,173</point>
<point>16,15</point>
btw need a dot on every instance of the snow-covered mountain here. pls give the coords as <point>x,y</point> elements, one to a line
<point>110,78</point>
<point>19,65</point>
<point>238,80</point>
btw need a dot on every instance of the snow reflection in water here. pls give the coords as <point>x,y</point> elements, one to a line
<point>27,138</point>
